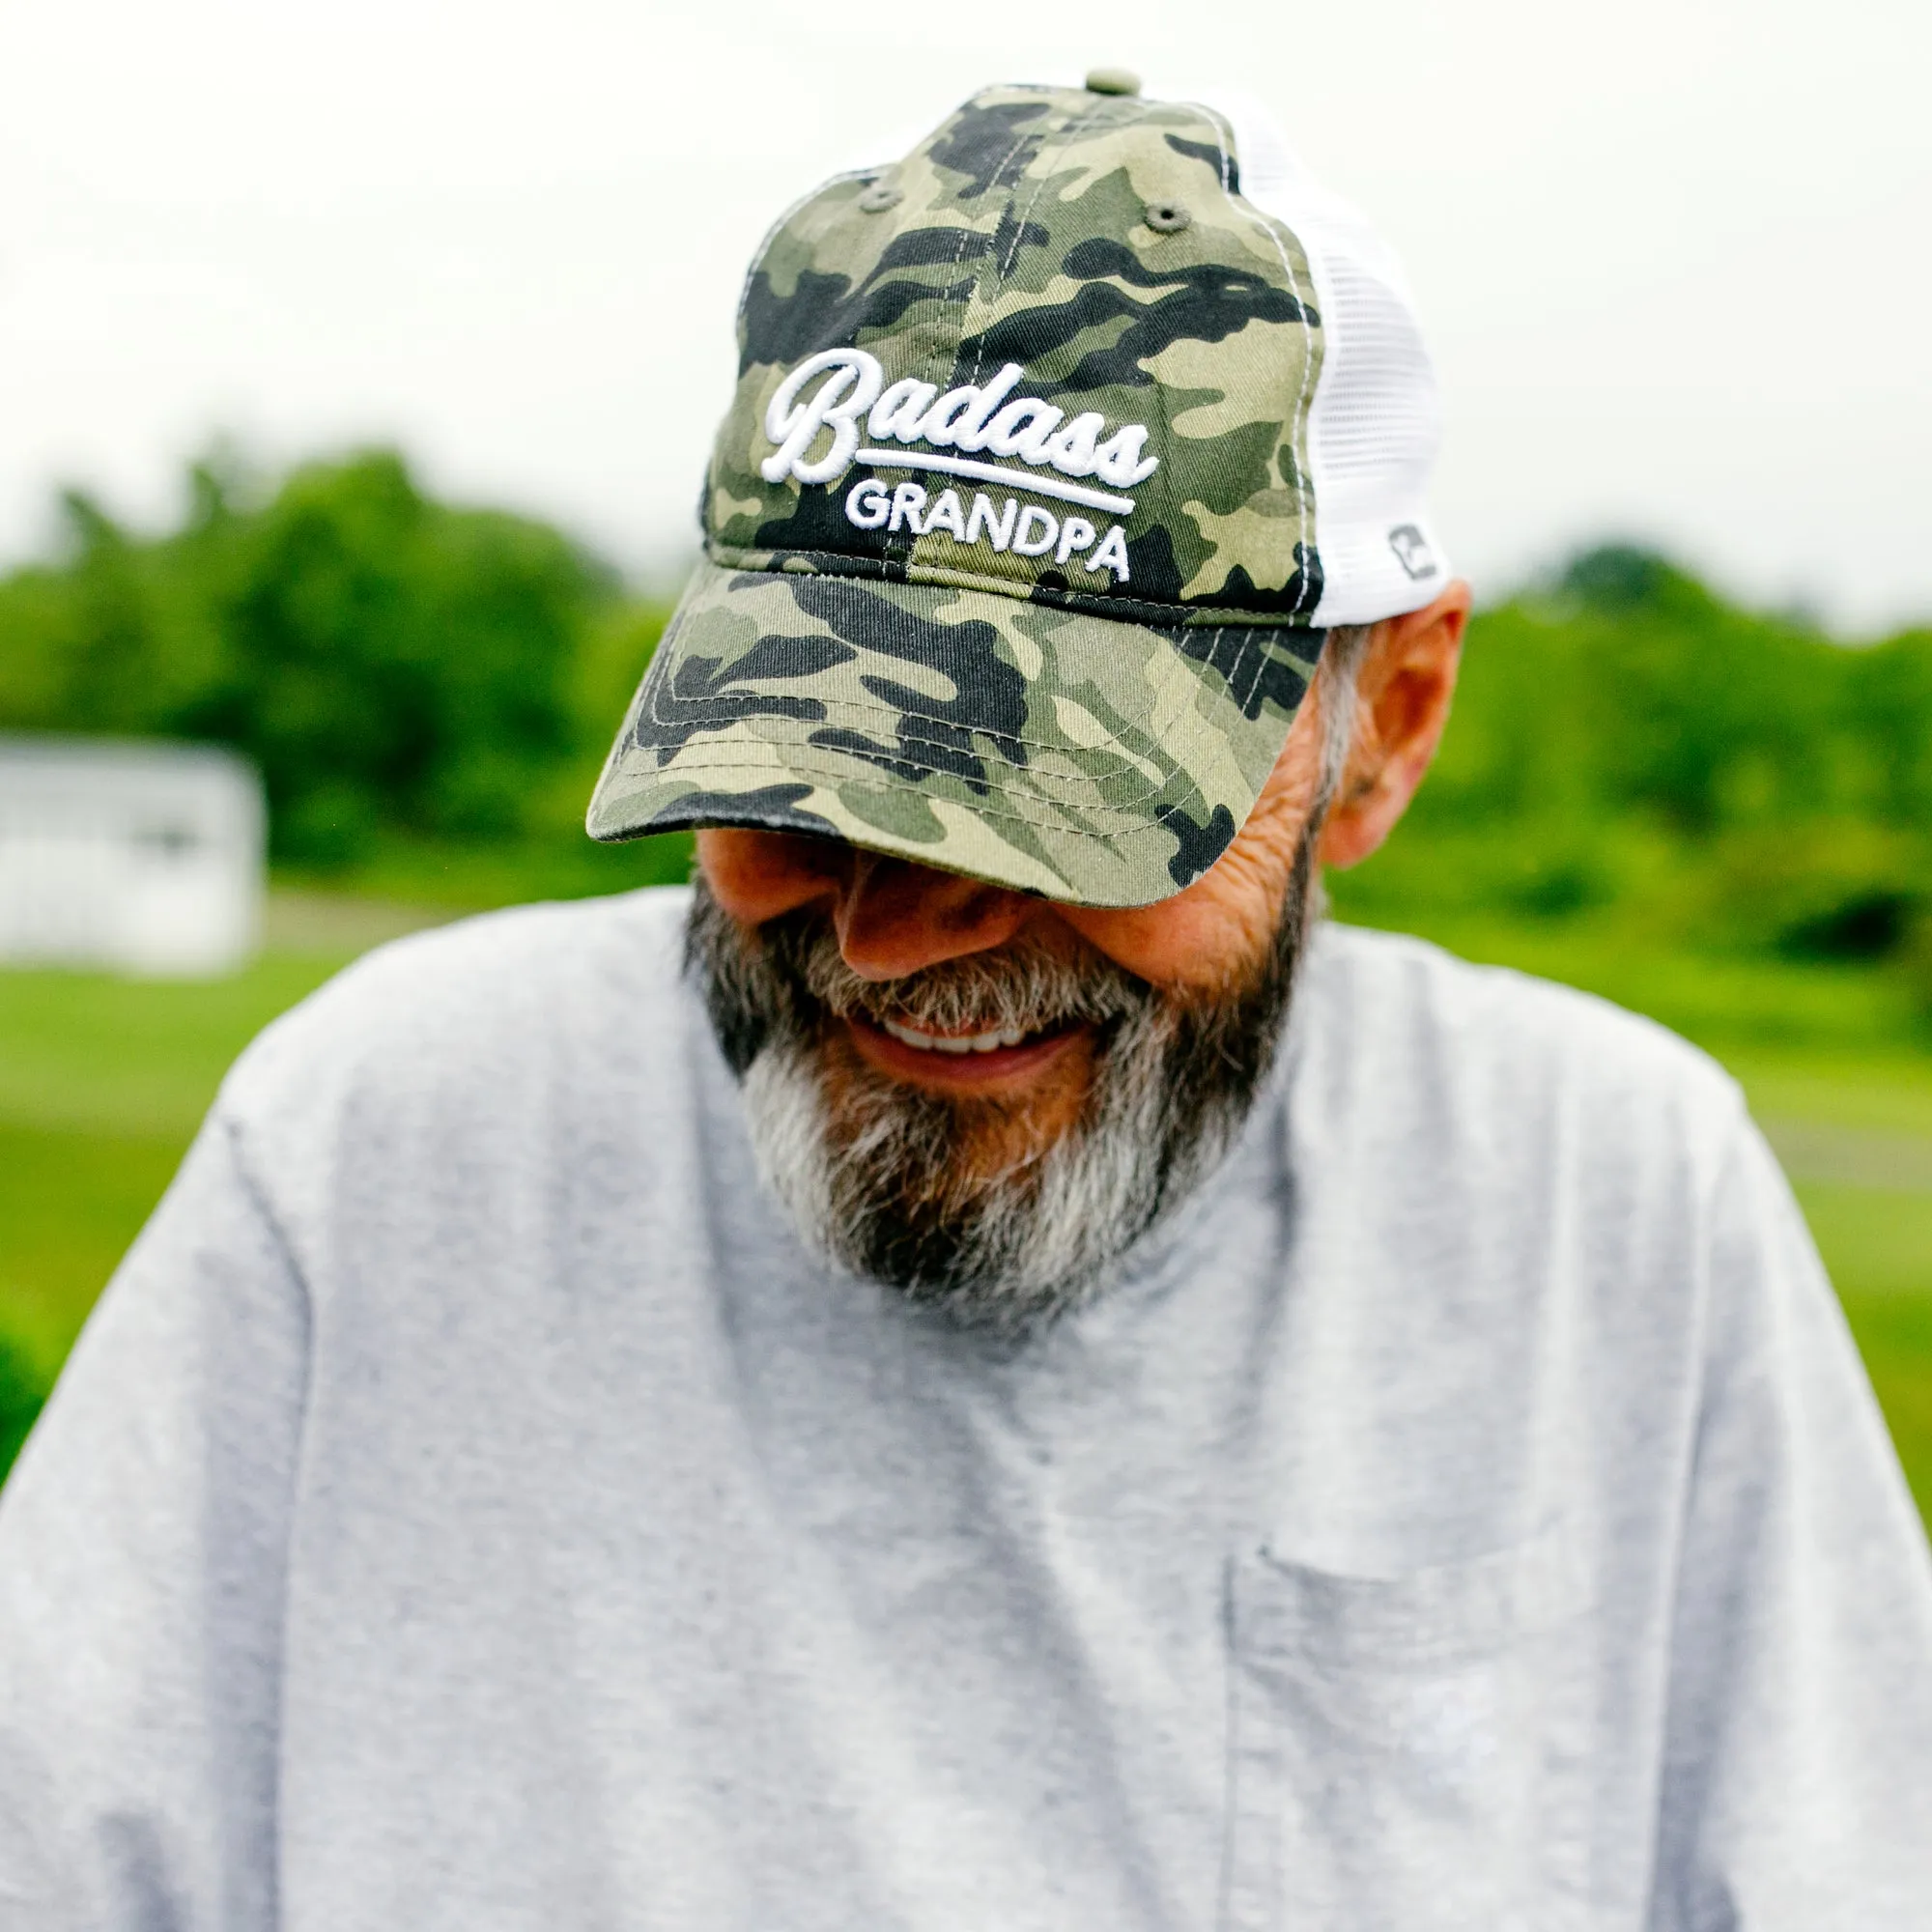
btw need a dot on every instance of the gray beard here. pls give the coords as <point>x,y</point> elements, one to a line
<point>875,1180</point>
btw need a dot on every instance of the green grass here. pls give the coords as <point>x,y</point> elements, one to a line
<point>102,1082</point>
<point>71,1201</point>
<point>84,1052</point>
<point>562,865</point>
<point>1876,1242</point>
<point>1882,1093</point>
<point>1878,1245</point>
<point>1749,1010</point>
<point>1894,1335</point>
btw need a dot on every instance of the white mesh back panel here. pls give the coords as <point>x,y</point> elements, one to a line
<point>1375,423</point>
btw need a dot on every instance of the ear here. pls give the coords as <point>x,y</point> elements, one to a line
<point>1408,678</point>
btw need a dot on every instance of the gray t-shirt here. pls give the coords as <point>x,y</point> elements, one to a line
<point>469,1508</point>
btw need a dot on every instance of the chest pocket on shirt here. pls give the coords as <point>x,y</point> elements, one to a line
<point>1407,1752</point>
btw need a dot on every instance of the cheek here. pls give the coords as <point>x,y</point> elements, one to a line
<point>1202,937</point>
<point>1215,930</point>
<point>761,875</point>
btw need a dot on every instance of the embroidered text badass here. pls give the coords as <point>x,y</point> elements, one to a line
<point>972,418</point>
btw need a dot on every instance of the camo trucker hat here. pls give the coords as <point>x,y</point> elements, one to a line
<point>1057,448</point>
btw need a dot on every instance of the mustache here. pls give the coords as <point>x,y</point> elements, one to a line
<point>1025,985</point>
<point>788,978</point>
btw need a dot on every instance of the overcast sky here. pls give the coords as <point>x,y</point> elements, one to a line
<point>1672,256</point>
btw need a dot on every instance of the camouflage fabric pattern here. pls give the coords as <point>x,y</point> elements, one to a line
<point>1021,235</point>
<point>985,735</point>
<point>1093,730</point>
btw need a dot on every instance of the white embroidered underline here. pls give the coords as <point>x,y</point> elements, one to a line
<point>992,472</point>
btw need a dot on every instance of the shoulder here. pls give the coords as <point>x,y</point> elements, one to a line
<point>489,1004</point>
<point>1504,1064</point>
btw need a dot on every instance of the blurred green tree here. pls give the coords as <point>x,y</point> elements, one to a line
<point>386,660</point>
<point>401,668</point>
<point>1623,735</point>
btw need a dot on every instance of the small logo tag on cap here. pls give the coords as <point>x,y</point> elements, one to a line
<point>1412,551</point>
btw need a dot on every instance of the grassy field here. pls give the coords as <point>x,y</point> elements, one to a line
<point>102,1082</point>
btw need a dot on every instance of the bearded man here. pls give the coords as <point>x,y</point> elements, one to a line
<point>983,1367</point>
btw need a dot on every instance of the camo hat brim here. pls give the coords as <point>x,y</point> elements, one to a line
<point>1096,761</point>
<point>1046,472</point>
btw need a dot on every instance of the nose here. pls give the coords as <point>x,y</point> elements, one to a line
<point>891,916</point>
<point>894,917</point>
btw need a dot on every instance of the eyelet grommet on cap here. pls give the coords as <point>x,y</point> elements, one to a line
<point>1167,218</point>
<point>879,197</point>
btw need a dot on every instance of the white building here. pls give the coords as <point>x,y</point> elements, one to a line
<point>134,856</point>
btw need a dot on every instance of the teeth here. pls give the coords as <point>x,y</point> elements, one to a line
<point>964,1043</point>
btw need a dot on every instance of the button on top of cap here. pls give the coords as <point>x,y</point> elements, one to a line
<point>1113,80</point>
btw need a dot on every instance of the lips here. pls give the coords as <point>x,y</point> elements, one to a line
<point>952,1060</point>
